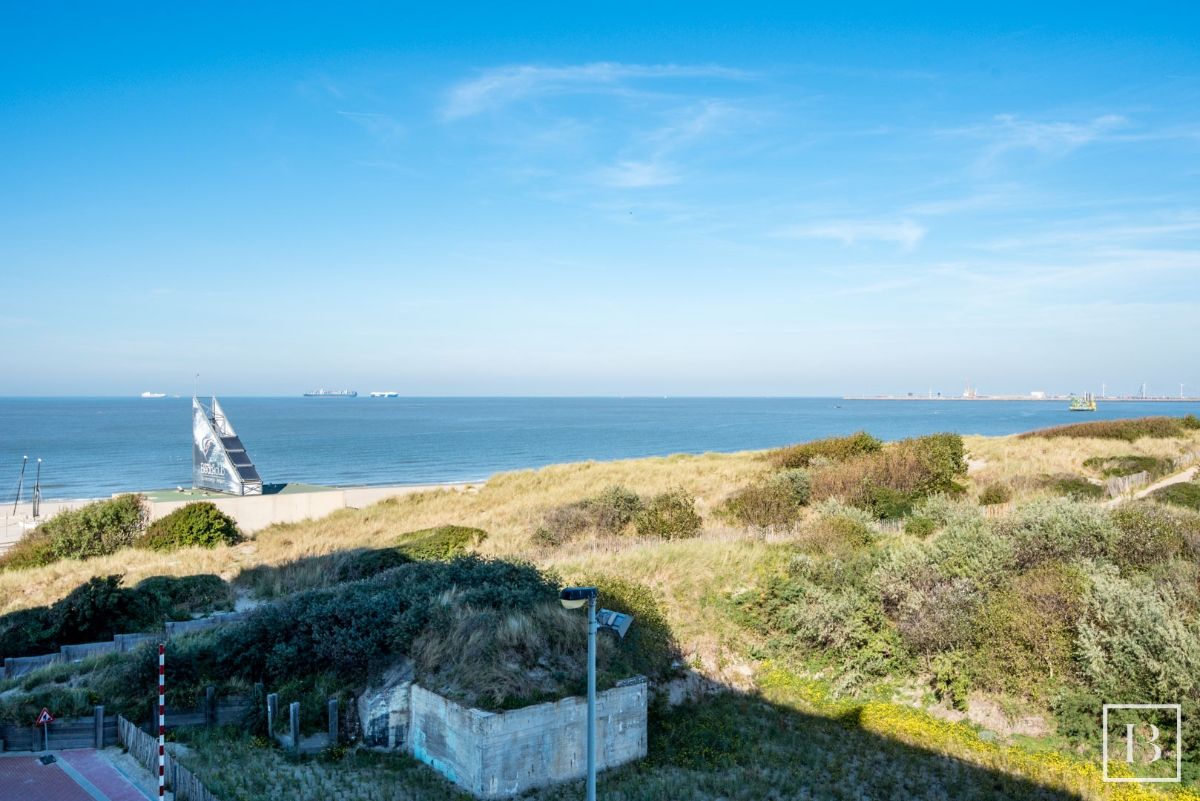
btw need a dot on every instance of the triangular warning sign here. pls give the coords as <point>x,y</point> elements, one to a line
<point>44,717</point>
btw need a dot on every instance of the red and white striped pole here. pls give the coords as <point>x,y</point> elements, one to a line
<point>162,720</point>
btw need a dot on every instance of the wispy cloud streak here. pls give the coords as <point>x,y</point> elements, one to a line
<point>500,86</point>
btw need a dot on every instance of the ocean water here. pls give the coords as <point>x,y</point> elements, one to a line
<point>93,447</point>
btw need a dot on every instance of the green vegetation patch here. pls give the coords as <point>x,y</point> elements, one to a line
<point>670,515</point>
<point>97,610</point>
<point>96,529</point>
<point>441,543</point>
<point>889,481</point>
<point>776,501</point>
<point>1182,494</point>
<point>200,524</point>
<point>1072,486</point>
<point>1118,466</point>
<point>1129,430</point>
<point>995,494</point>
<point>609,512</point>
<point>836,449</point>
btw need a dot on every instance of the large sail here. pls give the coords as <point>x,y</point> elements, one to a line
<point>219,459</point>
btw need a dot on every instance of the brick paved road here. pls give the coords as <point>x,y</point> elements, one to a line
<point>78,775</point>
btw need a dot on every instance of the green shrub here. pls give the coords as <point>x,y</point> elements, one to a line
<point>670,515</point>
<point>920,527</point>
<point>1025,631</point>
<point>1115,466</point>
<point>833,448</point>
<point>775,502</point>
<point>1058,529</point>
<point>95,611</point>
<point>932,612</point>
<point>1182,494</point>
<point>608,512</point>
<point>441,543</point>
<point>96,529</point>
<point>951,679</point>
<point>649,649</point>
<point>889,482</point>
<point>995,494</point>
<point>1129,430</point>
<point>1076,487</point>
<point>361,564</point>
<point>180,597</point>
<point>1149,533</point>
<point>199,524</point>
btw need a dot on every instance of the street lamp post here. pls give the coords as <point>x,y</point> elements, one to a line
<point>573,598</point>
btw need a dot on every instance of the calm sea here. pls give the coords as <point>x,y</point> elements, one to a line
<point>92,447</point>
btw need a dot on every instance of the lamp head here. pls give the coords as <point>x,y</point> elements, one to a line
<point>575,597</point>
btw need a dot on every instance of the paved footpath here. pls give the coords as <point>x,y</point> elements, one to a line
<point>77,775</point>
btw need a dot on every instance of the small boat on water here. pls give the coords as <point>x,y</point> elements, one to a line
<point>1085,404</point>
<point>387,394</point>
<point>154,394</point>
<point>331,393</point>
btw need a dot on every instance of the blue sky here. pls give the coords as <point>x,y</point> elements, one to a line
<point>598,199</point>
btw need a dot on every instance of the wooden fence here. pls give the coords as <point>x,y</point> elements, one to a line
<point>96,731</point>
<point>144,749</point>
<point>1121,484</point>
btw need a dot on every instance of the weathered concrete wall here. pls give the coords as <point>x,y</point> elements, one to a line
<point>496,755</point>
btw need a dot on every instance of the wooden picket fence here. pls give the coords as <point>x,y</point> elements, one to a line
<point>144,749</point>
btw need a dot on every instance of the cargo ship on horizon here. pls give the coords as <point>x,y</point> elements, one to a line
<point>331,393</point>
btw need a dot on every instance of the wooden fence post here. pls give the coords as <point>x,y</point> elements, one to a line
<point>272,715</point>
<point>99,721</point>
<point>294,724</point>
<point>333,721</point>
<point>210,706</point>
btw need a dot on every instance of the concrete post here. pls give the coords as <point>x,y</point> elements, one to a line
<point>591,701</point>
<point>272,715</point>
<point>333,721</point>
<point>99,720</point>
<point>210,706</point>
<point>294,725</point>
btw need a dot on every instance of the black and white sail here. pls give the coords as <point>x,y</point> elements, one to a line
<point>219,459</point>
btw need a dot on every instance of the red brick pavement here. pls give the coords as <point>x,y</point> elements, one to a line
<point>24,778</point>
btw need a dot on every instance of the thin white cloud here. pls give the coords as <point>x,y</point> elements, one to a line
<point>499,86</point>
<point>637,174</point>
<point>904,233</point>
<point>381,126</point>
<point>1008,133</point>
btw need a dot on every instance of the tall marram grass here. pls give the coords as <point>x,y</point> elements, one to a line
<point>1127,430</point>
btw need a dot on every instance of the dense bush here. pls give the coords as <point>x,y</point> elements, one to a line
<point>835,449</point>
<point>670,515</point>
<point>97,610</point>
<point>1114,466</point>
<point>649,649</point>
<point>1129,430</point>
<point>773,502</point>
<point>995,494</point>
<point>1182,494</point>
<point>931,611</point>
<point>96,529</point>
<point>442,543</point>
<point>1025,631</point>
<point>364,563</point>
<point>920,527</point>
<point>199,524</point>
<point>888,482</point>
<point>1071,486</point>
<point>609,512</point>
<point>179,597</point>
<point>1057,529</point>
<point>1149,534</point>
